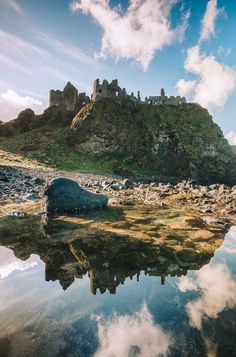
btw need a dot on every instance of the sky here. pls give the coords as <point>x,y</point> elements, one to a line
<point>187,47</point>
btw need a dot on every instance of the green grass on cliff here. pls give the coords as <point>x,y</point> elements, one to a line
<point>185,137</point>
<point>49,146</point>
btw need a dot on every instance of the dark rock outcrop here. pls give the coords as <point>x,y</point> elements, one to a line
<point>28,120</point>
<point>64,195</point>
<point>180,141</point>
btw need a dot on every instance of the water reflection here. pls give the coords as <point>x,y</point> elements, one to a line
<point>9,263</point>
<point>217,291</point>
<point>192,314</point>
<point>132,335</point>
<point>114,245</point>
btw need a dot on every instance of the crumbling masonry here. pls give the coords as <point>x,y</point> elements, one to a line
<point>112,90</point>
<point>70,97</point>
<point>163,99</point>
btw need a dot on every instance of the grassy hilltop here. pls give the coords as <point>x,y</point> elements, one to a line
<point>107,136</point>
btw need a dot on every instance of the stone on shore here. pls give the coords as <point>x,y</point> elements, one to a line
<point>64,195</point>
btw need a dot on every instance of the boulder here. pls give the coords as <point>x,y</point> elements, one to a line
<point>64,195</point>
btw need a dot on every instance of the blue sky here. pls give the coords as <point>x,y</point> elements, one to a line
<point>186,46</point>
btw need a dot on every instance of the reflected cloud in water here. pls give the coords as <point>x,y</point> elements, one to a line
<point>101,253</point>
<point>217,289</point>
<point>132,335</point>
<point>113,245</point>
<point>9,263</point>
<point>229,244</point>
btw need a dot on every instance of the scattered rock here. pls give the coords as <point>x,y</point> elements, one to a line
<point>214,221</point>
<point>3,177</point>
<point>127,183</point>
<point>17,214</point>
<point>31,197</point>
<point>38,181</point>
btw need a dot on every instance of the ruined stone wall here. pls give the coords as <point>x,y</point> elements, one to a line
<point>55,98</point>
<point>69,97</point>
<point>163,99</point>
<point>112,90</point>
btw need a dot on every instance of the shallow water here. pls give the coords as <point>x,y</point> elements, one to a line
<point>123,282</point>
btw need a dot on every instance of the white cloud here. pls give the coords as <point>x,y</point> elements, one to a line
<point>229,244</point>
<point>209,19</point>
<point>9,263</point>
<point>132,335</point>
<point>12,97</point>
<point>6,61</point>
<point>185,87</point>
<point>66,48</point>
<point>216,294</point>
<point>12,5</point>
<point>12,103</point>
<point>15,45</point>
<point>223,51</point>
<point>137,33</point>
<point>215,80</point>
<point>231,137</point>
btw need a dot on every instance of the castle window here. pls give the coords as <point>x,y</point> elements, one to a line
<point>117,94</point>
<point>100,91</point>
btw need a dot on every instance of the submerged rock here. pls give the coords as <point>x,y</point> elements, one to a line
<point>64,195</point>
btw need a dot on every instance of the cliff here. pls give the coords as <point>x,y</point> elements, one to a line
<point>27,120</point>
<point>172,141</point>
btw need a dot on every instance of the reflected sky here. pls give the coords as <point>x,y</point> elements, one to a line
<point>190,315</point>
<point>9,263</point>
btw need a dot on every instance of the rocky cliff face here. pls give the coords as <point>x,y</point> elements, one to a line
<point>175,141</point>
<point>28,120</point>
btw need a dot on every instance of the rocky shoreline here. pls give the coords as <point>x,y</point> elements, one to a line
<point>217,202</point>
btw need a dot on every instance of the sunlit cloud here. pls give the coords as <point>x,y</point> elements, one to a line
<point>65,47</point>
<point>136,34</point>
<point>209,20</point>
<point>8,62</point>
<point>12,44</point>
<point>12,97</point>
<point>214,82</point>
<point>229,244</point>
<point>12,103</point>
<point>231,137</point>
<point>224,51</point>
<point>217,289</point>
<point>132,335</point>
<point>9,263</point>
<point>12,5</point>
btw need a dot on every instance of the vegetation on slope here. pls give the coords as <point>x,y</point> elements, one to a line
<point>49,147</point>
<point>178,141</point>
<point>123,138</point>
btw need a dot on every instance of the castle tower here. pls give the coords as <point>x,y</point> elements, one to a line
<point>70,94</point>
<point>163,92</point>
<point>139,98</point>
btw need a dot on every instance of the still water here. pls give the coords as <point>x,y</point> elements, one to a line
<point>127,282</point>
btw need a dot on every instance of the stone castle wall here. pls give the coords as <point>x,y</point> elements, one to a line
<point>112,90</point>
<point>70,97</point>
<point>163,99</point>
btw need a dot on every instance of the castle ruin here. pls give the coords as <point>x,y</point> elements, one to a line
<point>112,90</point>
<point>163,99</point>
<point>71,99</point>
